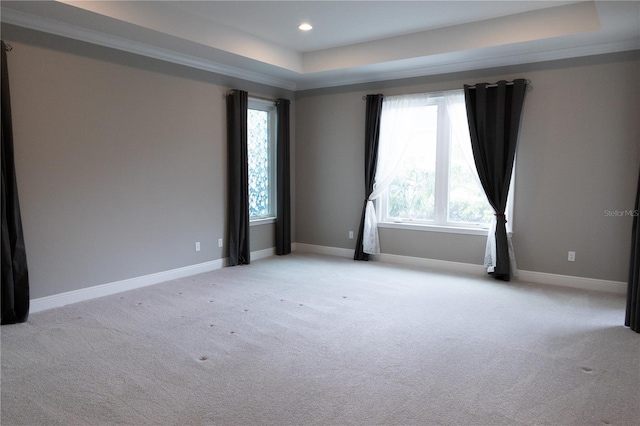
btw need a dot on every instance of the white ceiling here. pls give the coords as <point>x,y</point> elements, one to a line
<point>351,42</point>
<point>340,23</point>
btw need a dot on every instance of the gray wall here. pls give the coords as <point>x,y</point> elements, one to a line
<point>120,159</point>
<point>578,156</point>
<point>121,164</point>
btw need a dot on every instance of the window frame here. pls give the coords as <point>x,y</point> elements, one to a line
<point>269,107</point>
<point>441,191</point>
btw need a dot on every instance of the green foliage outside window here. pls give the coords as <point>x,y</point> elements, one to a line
<point>467,201</point>
<point>411,195</point>
<point>258,152</point>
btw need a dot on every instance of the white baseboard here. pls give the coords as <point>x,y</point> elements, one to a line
<point>62,299</point>
<point>328,251</point>
<point>261,254</point>
<point>582,283</point>
<point>75,296</point>
<point>430,263</point>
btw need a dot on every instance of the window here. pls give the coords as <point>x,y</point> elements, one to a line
<point>433,179</point>
<point>261,157</point>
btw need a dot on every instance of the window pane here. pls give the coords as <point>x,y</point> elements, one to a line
<point>467,201</point>
<point>411,195</point>
<point>258,152</point>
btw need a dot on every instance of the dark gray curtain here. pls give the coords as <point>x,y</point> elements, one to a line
<point>15,274</point>
<point>493,112</point>
<point>283,195</point>
<point>632,317</point>
<point>371,139</point>
<point>238,178</point>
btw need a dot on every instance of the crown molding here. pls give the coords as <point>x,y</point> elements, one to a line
<point>475,64</point>
<point>51,26</point>
<point>360,75</point>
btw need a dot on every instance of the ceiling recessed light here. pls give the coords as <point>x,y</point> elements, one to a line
<point>305,27</point>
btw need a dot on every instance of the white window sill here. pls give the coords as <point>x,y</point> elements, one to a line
<point>263,221</point>
<point>434,228</point>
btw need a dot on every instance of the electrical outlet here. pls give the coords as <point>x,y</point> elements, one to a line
<point>572,256</point>
<point>219,242</point>
<point>351,235</point>
<point>197,245</point>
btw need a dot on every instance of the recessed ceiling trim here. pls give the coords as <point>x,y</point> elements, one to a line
<point>470,65</point>
<point>39,23</point>
<point>162,17</point>
<point>503,31</point>
<point>199,56</point>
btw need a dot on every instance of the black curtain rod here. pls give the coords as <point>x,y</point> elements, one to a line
<point>509,83</point>
<point>230,92</point>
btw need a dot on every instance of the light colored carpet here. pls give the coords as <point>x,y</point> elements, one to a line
<point>314,340</point>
